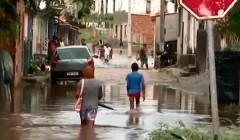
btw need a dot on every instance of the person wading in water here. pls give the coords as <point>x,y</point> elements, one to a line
<point>135,86</point>
<point>88,94</point>
<point>143,56</point>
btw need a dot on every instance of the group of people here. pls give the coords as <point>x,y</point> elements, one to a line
<point>89,92</point>
<point>103,50</point>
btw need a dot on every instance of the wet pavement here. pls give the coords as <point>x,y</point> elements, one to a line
<point>43,112</point>
<point>120,61</point>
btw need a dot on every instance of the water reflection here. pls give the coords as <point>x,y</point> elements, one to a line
<point>87,134</point>
<point>49,111</point>
<point>133,120</point>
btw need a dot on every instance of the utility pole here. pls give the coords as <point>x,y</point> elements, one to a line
<point>162,33</point>
<point>213,86</point>
<point>162,25</point>
<point>129,30</point>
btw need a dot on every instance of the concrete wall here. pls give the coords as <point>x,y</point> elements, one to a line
<point>189,32</point>
<point>171,27</point>
<point>40,37</point>
<point>18,54</point>
<point>142,30</point>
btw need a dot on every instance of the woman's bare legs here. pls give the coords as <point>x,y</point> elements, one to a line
<point>83,122</point>
<point>87,123</point>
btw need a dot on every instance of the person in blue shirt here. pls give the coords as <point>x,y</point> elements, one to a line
<point>135,86</point>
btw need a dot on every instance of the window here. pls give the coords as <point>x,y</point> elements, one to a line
<point>114,5</point>
<point>125,30</point>
<point>201,24</point>
<point>73,53</point>
<point>93,5</point>
<point>102,12</point>
<point>106,7</point>
<point>116,29</point>
<point>148,7</point>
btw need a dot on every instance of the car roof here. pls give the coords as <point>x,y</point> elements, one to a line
<point>72,46</point>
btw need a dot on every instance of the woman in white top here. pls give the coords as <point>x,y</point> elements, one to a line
<point>107,51</point>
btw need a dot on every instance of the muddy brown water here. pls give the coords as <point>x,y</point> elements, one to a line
<point>42,112</point>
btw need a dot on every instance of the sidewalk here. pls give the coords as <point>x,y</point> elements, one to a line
<point>37,78</point>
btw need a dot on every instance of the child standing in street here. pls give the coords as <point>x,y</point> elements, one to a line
<point>135,86</point>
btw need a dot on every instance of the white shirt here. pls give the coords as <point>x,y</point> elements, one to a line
<point>107,50</point>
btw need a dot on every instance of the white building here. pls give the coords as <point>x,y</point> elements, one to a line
<point>189,27</point>
<point>137,6</point>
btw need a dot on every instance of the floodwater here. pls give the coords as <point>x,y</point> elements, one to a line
<point>41,112</point>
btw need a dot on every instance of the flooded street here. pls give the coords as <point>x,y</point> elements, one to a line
<point>44,112</point>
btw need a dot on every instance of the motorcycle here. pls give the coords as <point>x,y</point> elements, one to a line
<point>165,58</point>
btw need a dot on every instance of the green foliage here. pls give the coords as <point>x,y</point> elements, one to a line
<point>33,66</point>
<point>231,24</point>
<point>48,12</point>
<point>108,17</point>
<point>234,20</point>
<point>190,133</point>
<point>86,34</point>
<point>229,27</point>
<point>86,7</point>
<point>32,6</point>
<point>9,19</point>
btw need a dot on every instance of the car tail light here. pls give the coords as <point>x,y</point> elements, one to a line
<point>90,61</point>
<point>54,61</point>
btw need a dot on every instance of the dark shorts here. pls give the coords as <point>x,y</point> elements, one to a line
<point>136,95</point>
<point>144,60</point>
<point>88,114</point>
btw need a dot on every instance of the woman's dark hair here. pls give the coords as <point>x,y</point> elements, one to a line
<point>135,67</point>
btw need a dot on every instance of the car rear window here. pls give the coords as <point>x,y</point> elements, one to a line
<point>73,53</point>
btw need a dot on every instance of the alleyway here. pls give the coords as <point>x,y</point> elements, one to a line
<point>42,112</point>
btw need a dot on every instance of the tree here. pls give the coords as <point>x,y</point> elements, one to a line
<point>9,19</point>
<point>85,8</point>
<point>229,26</point>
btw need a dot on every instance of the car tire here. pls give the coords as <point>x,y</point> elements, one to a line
<point>53,79</point>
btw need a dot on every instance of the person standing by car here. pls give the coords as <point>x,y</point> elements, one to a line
<point>52,46</point>
<point>135,86</point>
<point>61,42</point>
<point>88,94</point>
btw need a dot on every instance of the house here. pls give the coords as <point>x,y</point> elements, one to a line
<point>40,33</point>
<point>142,24</point>
<point>137,6</point>
<point>45,28</point>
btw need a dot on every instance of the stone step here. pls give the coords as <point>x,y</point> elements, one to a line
<point>192,69</point>
<point>185,74</point>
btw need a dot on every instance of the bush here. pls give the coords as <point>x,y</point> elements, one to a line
<point>190,133</point>
<point>33,66</point>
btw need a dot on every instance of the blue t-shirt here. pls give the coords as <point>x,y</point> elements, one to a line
<point>134,82</point>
